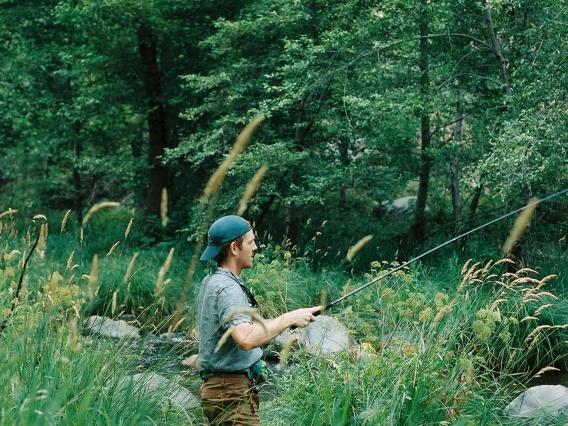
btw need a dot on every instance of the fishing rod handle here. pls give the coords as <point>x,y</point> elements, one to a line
<point>316,313</point>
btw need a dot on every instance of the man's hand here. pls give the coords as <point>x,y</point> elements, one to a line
<point>248,336</point>
<point>302,317</point>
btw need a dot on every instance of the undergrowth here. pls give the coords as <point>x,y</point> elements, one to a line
<point>435,345</point>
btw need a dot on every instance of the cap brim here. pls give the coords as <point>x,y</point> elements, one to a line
<point>210,253</point>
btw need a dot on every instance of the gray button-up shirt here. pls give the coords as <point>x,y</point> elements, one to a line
<point>220,294</point>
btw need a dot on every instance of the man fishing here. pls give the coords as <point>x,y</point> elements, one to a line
<point>233,368</point>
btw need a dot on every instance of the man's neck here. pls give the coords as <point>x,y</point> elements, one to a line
<point>231,266</point>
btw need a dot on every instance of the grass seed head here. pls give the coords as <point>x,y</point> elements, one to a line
<point>285,352</point>
<point>130,268</point>
<point>115,245</point>
<point>8,212</point>
<point>217,178</point>
<point>251,188</point>
<point>160,282</point>
<point>113,304</point>
<point>74,343</point>
<point>353,250</point>
<point>168,261</point>
<point>164,207</point>
<point>128,228</point>
<point>97,207</point>
<point>94,277</point>
<point>64,221</point>
<point>520,225</point>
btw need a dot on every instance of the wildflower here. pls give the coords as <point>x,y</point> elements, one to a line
<point>388,294</point>
<point>440,299</point>
<point>425,314</point>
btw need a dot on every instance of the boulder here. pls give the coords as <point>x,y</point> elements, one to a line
<point>551,400</point>
<point>109,328</point>
<point>400,208</point>
<point>154,386</point>
<point>324,337</point>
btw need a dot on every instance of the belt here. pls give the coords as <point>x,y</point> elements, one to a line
<point>206,374</point>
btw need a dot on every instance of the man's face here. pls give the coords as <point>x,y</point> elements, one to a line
<point>245,253</point>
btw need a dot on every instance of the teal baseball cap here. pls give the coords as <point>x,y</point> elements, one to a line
<point>223,230</point>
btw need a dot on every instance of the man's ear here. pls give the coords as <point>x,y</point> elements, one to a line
<point>233,247</point>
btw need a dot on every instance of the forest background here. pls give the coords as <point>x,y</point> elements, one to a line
<point>460,103</point>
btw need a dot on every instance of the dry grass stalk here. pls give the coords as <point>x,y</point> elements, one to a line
<point>535,331</point>
<point>528,318</point>
<point>526,271</point>
<point>42,242</point>
<point>168,261</point>
<point>97,207</point>
<point>323,300</point>
<point>253,312</point>
<point>217,178</point>
<point>539,328</point>
<point>64,221</point>
<point>160,282</point>
<point>465,266</point>
<point>163,271</point>
<point>544,370</point>
<point>176,325</point>
<point>113,304</point>
<point>251,188</point>
<point>8,212</point>
<point>115,245</point>
<point>93,277</point>
<point>164,207</point>
<point>128,228</point>
<point>249,311</point>
<point>494,304</point>
<point>74,343</point>
<point>487,267</point>
<point>353,250</point>
<point>520,225</point>
<point>223,339</point>
<point>130,268</point>
<point>285,352</point>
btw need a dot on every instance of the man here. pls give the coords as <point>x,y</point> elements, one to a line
<point>229,394</point>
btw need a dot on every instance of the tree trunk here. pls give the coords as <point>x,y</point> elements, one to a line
<point>496,47</point>
<point>457,202</point>
<point>157,141</point>
<point>78,192</point>
<point>291,225</point>
<point>417,228</point>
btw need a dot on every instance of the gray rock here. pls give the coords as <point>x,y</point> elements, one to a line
<point>397,209</point>
<point>324,337</point>
<point>541,400</point>
<point>107,327</point>
<point>152,385</point>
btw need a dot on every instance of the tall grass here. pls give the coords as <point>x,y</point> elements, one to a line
<point>436,345</point>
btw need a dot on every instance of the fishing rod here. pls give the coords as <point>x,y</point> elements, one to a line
<point>405,264</point>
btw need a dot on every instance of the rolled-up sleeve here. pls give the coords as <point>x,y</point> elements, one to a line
<point>233,300</point>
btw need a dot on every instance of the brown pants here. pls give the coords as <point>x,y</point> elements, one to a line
<point>230,399</point>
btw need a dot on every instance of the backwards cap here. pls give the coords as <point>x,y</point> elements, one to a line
<point>223,230</point>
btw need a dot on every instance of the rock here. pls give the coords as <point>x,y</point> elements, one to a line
<point>397,209</point>
<point>324,337</point>
<point>152,385</point>
<point>540,400</point>
<point>107,327</point>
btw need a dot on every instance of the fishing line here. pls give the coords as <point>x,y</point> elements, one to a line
<point>405,264</point>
